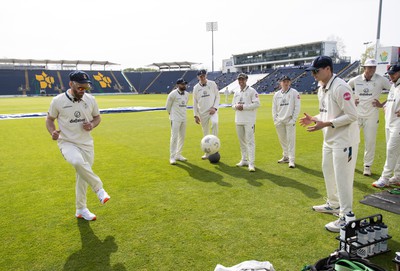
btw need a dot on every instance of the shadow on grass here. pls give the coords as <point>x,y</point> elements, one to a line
<point>316,173</point>
<point>95,254</point>
<point>203,174</point>
<point>365,185</point>
<point>254,177</point>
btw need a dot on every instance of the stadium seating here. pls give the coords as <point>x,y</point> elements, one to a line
<point>52,82</point>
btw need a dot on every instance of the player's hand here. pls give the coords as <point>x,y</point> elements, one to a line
<point>55,134</point>
<point>212,110</point>
<point>87,126</point>
<point>377,103</point>
<point>397,113</point>
<point>357,101</point>
<point>239,107</point>
<point>197,119</point>
<point>306,120</point>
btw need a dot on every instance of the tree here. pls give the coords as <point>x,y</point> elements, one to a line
<point>341,48</point>
<point>369,53</point>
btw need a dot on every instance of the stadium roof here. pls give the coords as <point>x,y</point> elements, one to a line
<point>174,65</point>
<point>30,62</point>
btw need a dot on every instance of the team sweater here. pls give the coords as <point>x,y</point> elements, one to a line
<point>205,97</point>
<point>71,115</point>
<point>285,106</point>
<point>392,121</point>
<point>366,91</point>
<point>336,105</point>
<point>248,97</point>
<point>176,105</point>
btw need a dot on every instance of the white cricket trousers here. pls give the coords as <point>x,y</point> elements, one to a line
<point>82,160</point>
<point>287,139</point>
<point>245,134</point>
<point>338,166</point>
<point>392,154</point>
<point>178,131</point>
<point>205,124</point>
<point>370,128</point>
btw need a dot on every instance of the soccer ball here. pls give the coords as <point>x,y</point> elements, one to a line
<point>210,144</point>
<point>214,158</point>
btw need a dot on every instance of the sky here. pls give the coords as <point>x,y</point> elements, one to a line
<point>137,33</point>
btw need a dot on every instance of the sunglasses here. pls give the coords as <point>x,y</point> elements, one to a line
<point>315,71</point>
<point>82,88</point>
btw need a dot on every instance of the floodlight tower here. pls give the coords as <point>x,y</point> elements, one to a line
<point>378,34</point>
<point>212,26</point>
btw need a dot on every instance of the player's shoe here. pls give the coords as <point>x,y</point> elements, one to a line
<point>205,156</point>
<point>381,182</point>
<point>85,214</point>
<point>172,161</point>
<point>102,195</point>
<point>252,168</point>
<point>180,158</point>
<point>395,180</point>
<point>326,208</point>
<point>367,171</point>
<point>242,163</point>
<point>292,165</point>
<point>335,226</point>
<point>283,160</point>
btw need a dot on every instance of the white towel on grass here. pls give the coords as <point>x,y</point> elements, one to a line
<point>247,266</point>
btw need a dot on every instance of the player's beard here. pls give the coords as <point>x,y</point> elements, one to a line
<point>77,94</point>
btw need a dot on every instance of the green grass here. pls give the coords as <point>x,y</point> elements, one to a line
<point>160,217</point>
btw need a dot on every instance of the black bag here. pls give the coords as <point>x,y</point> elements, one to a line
<point>328,263</point>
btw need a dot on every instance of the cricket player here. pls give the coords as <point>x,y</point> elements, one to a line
<point>176,107</point>
<point>392,126</point>
<point>77,115</point>
<point>367,88</point>
<point>245,102</point>
<point>338,121</point>
<point>205,104</point>
<point>285,110</point>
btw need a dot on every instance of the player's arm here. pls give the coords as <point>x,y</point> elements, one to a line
<point>51,127</point>
<point>254,104</point>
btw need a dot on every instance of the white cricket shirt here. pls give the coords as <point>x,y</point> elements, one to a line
<point>336,105</point>
<point>367,91</point>
<point>286,106</point>
<point>176,105</point>
<point>70,116</point>
<point>392,121</point>
<point>248,97</point>
<point>205,97</point>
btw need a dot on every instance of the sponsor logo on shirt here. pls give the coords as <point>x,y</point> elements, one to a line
<point>347,96</point>
<point>77,114</point>
<point>205,94</point>
<point>365,92</point>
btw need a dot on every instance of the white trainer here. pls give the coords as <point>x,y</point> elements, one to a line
<point>180,158</point>
<point>326,208</point>
<point>172,161</point>
<point>205,156</point>
<point>335,226</point>
<point>395,180</point>
<point>85,214</point>
<point>283,160</point>
<point>252,168</point>
<point>102,195</point>
<point>367,171</point>
<point>242,163</point>
<point>381,182</point>
<point>292,165</point>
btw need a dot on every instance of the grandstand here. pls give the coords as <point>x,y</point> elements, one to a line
<point>35,77</point>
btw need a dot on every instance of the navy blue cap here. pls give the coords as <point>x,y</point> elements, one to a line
<point>201,72</point>
<point>320,62</point>
<point>79,77</point>
<point>394,68</point>
<point>181,81</point>
<point>242,75</point>
<point>285,77</point>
